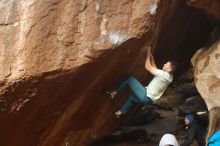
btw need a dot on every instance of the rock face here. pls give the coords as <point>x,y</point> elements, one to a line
<point>206,60</point>
<point>48,35</point>
<point>55,58</point>
<point>207,73</point>
<point>210,7</point>
<point>57,55</point>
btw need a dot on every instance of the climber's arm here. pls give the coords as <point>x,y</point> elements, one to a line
<point>152,60</point>
<point>149,62</point>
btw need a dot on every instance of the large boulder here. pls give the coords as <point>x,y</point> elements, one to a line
<point>207,73</point>
<point>206,60</point>
<point>57,55</point>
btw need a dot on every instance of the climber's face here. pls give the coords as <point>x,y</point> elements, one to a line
<point>167,67</point>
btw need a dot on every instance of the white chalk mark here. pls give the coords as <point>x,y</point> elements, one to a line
<point>102,26</point>
<point>152,9</point>
<point>97,6</point>
<point>116,38</point>
<point>15,24</point>
<point>20,44</point>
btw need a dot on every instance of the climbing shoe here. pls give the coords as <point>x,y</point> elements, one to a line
<point>118,114</point>
<point>109,93</point>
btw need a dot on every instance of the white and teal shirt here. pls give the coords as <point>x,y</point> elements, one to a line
<point>158,85</point>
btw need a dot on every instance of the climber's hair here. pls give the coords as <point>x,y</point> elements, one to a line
<point>174,65</point>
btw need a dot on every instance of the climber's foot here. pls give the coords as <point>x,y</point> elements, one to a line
<point>112,94</point>
<point>117,114</point>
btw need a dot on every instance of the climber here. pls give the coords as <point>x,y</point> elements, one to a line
<point>152,92</point>
<point>195,131</point>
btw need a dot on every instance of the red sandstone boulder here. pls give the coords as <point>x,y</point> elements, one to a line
<point>210,7</point>
<point>57,55</point>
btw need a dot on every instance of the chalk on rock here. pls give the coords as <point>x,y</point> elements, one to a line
<point>152,9</point>
<point>117,38</point>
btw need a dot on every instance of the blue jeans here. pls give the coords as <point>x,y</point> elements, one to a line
<point>139,93</point>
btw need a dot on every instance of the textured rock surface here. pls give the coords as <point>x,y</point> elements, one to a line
<point>44,36</point>
<point>206,60</point>
<point>210,7</point>
<point>207,73</point>
<point>57,55</point>
<point>48,95</point>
